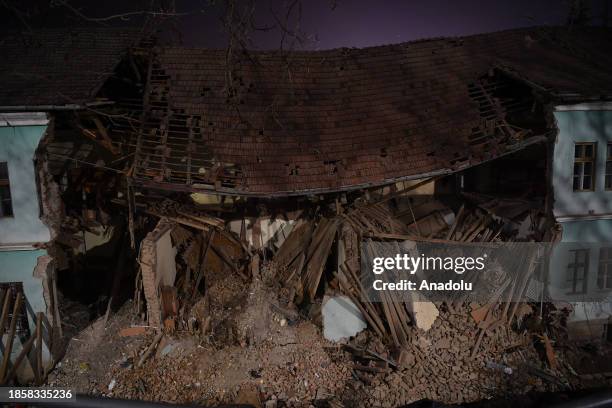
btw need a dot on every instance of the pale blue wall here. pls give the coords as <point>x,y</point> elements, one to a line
<point>593,125</point>
<point>580,126</point>
<point>580,234</point>
<point>18,266</point>
<point>587,231</point>
<point>17,147</point>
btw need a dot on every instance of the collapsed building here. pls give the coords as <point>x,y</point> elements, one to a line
<point>53,82</point>
<point>206,166</point>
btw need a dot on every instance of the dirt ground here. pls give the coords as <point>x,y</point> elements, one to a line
<point>252,353</point>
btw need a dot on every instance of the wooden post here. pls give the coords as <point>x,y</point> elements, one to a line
<point>57,319</point>
<point>11,336</point>
<point>3,293</point>
<point>24,352</point>
<point>5,310</point>
<point>39,363</point>
<point>203,262</point>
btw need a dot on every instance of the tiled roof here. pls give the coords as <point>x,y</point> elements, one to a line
<point>332,120</point>
<point>59,66</point>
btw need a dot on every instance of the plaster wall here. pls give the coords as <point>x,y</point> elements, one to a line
<point>17,147</point>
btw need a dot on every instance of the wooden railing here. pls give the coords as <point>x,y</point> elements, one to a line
<point>31,347</point>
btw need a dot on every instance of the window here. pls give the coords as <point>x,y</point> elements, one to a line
<point>608,178</point>
<point>6,205</point>
<point>604,273</point>
<point>584,166</point>
<point>577,269</point>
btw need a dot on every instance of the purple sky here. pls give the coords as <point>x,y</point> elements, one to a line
<point>352,23</point>
<point>361,23</point>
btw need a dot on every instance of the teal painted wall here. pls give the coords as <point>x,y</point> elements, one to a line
<point>594,126</point>
<point>591,235</point>
<point>580,126</point>
<point>587,231</point>
<point>18,266</point>
<point>17,147</point>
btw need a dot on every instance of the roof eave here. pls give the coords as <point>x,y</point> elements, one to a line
<point>292,193</point>
<point>47,108</point>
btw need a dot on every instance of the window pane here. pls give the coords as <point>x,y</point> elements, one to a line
<point>588,168</point>
<point>578,151</point>
<point>609,149</point>
<point>588,150</point>
<point>3,171</point>
<point>6,207</point>
<point>577,169</point>
<point>586,183</point>
<point>5,193</point>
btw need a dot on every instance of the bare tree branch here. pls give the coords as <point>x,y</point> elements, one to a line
<point>121,16</point>
<point>18,13</point>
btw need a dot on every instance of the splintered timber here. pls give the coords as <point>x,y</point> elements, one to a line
<point>408,285</point>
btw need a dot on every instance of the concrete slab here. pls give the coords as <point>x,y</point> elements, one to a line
<point>341,318</point>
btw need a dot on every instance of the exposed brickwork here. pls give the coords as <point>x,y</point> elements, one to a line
<point>147,260</point>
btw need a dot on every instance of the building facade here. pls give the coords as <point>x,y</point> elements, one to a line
<point>581,267</point>
<point>27,267</point>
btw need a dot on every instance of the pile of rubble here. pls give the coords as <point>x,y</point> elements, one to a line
<point>230,310</point>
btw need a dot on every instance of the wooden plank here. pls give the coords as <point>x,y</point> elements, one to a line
<point>24,352</point>
<point>345,286</point>
<point>227,259</point>
<point>357,284</point>
<point>3,293</point>
<point>452,229</point>
<point>479,227</point>
<point>203,258</point>
<point>352,223</point>
<point>57,320</point>
<point>318,256</point>
<point>180,220</point>
<point>93,135</point>
<point>39,372</point>
<point>5,309</point>
<point>403,318</point>
<point>407,189</point>
<point>550,352</point>
<point>8,348</point>
<point>106,141</point>
<point>295,243</point>
<point>369,313</point>
<point>150,349</point>
<point>215,222</point>
<point>406,237</point>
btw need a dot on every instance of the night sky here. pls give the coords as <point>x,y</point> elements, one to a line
<point>327,23</point>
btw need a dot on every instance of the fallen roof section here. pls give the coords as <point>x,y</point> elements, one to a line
<point>272,123</point>
<point>53,69</point>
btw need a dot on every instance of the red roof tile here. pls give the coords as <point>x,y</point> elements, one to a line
<point>345,118</point>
